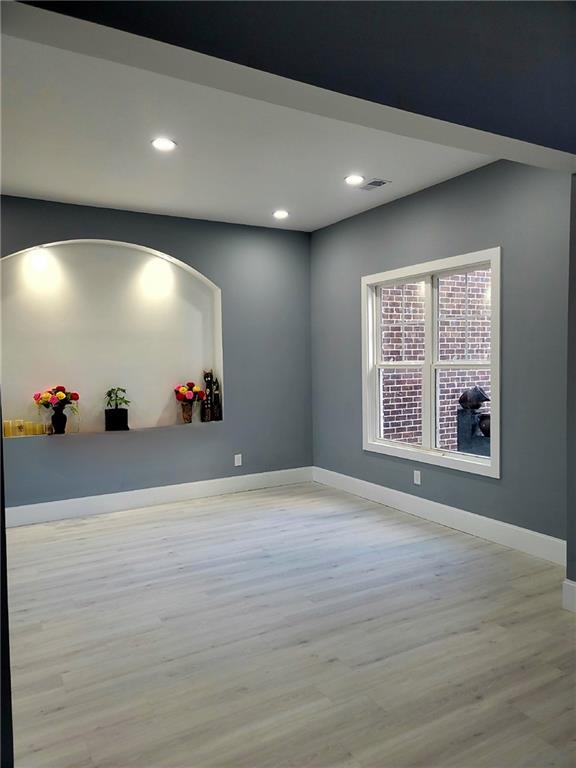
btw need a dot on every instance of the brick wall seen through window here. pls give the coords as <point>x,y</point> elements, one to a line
<point>463,333</point>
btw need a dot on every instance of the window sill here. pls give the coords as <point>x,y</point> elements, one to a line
<point>476,465</point>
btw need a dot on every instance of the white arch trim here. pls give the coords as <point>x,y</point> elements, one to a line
<point>138,246</point>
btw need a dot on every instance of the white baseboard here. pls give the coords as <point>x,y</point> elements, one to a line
<point>536,544</point>
<point>144,497</point>
<point>569,595</point>
<point>530,542</point>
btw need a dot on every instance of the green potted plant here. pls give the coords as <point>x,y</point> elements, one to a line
<point>116,413</point>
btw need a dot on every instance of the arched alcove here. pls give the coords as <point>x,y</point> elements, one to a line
<point>95,314</point>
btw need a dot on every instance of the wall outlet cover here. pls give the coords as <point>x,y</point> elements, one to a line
<point>417,477</point>
<point>237,459</point>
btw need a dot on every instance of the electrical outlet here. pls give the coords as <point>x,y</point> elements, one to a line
<point>237,459</point>
<point>417,477</point>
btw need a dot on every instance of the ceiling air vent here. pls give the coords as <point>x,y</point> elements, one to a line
<point>369,186</point>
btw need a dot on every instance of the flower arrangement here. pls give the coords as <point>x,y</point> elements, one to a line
<point>189,392</point>
<point>56,398</point>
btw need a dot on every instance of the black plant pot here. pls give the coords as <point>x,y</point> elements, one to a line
<point>59,420</point>
<point>116,419</point>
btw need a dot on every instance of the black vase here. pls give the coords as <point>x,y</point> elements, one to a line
<point>59,420</point>
<point>116,419</point>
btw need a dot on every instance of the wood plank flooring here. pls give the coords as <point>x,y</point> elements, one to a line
<point>295,627</point>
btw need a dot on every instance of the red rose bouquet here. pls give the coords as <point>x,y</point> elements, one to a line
<point>188,394</point>
<point>57,398</point>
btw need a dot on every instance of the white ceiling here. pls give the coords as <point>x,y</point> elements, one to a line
<point>78,128</point>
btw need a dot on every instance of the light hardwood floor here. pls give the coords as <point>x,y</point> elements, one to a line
<point>295,627</point>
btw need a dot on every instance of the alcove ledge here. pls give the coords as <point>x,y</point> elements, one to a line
<point>103,433</point>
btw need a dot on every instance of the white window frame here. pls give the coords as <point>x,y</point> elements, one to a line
<point>371,344</point>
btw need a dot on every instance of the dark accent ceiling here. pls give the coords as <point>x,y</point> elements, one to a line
<point>504,67</point>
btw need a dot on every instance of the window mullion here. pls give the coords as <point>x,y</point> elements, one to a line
<point>435,309</point>
<point>462,364</point>
<point>428,368</point>
<point>466,323</point>
<point>376,417</point>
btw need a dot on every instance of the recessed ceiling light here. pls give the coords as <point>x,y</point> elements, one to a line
<point>281,214</point>
<point>354,180</point>
<point>162,144</point>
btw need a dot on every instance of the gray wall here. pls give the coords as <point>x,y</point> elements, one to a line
<point>571,511</point>
<point>264,277</point>
<point>522,209</point>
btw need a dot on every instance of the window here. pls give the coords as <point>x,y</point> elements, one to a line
<point>430,334</point>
